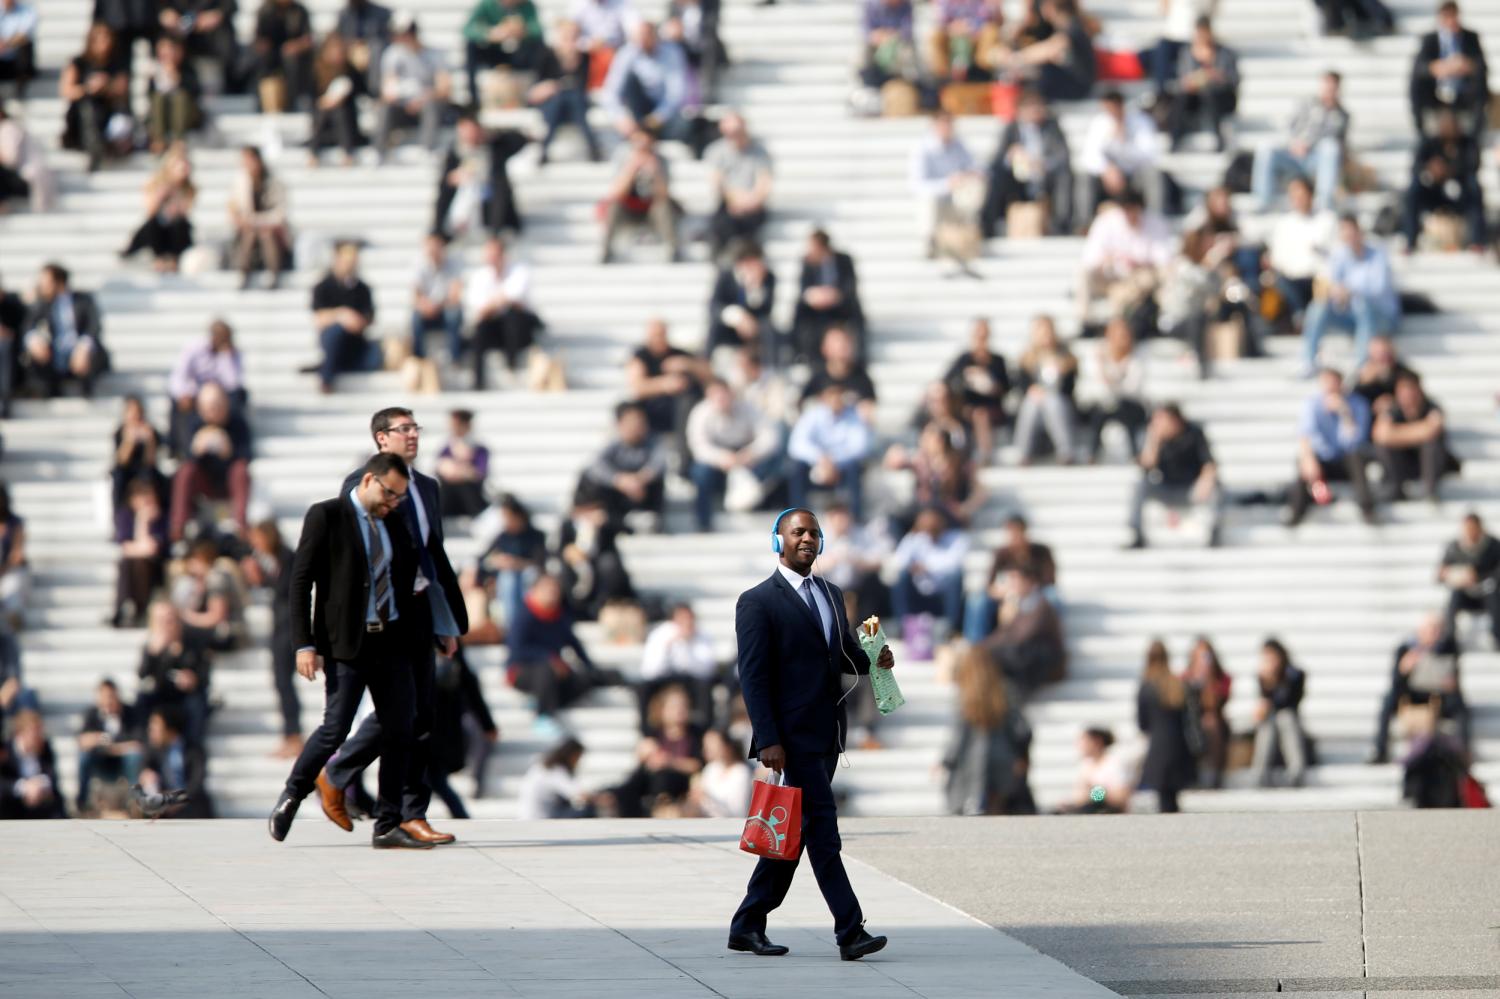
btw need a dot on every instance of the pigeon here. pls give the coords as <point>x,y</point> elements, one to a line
<point>154,806</point>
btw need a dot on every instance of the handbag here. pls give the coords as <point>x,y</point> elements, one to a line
<point>1026,219</point>
<point>1004,97</point>
<point>774,827</point>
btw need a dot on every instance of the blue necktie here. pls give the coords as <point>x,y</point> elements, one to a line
<point>812,605</point>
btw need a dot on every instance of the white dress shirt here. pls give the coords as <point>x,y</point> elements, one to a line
<point>820,597</point>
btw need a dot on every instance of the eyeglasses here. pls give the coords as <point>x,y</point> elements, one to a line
<point>405,430</point>
<point>391,496</point>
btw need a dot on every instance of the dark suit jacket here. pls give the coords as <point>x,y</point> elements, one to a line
<point>428,491</point>
<point>844,280</point>
<point>1468,45</point>
<point>728,291</point>
<point>790,677</point>
<point>86,316</point>
<point>331,579</point>
<point>1054,145</point>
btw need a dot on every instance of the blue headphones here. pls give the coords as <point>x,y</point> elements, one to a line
<point>776,531</point>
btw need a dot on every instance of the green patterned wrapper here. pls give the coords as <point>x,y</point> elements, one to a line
<point>887,692</point>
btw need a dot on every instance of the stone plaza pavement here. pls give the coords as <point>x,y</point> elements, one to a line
<point>561,910</point>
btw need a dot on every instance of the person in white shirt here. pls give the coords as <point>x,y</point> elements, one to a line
<point>1125,243</point>
<point>1298,246</point>
<point>939,166</point>
<point>728,436</point>
<point>414,86</point>
<point>602,24</point>
<point>721,790</point>
<point>437,297</point>
<point>1119,153</point>
<point>677,653</point>
<point>930,564</point>
<point>1113,387</point>
<point>828,448</point>
<point>550,789</point>
<point>496,302</point>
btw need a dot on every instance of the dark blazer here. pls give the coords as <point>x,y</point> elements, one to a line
<point>86,316</point>
<point>1468,45</point>
<point>844,279</point>
<point>1169,764</point>
<point>428,490</point>
<point>1054,145</point>
<point>790,677</point>
<point>331,579</point>
<point>728,291</point>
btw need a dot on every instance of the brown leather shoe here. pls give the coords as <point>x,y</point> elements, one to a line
<point>418,829</point>
<point>333,803</point>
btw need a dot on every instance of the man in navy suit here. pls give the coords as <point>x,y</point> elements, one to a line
<point>795,644</point>
<point>441,614</point>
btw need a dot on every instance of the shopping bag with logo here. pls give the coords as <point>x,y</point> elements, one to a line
<point>887,692</point>
<point>774,828</point>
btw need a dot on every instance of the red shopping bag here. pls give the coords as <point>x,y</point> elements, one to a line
<point>774,828</point>
<point>1005,95</point>
<point>1114,66</point>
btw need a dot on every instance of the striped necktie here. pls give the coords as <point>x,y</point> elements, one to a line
<point>381,565</point>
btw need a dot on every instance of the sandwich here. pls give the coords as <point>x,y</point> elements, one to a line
<point>870,626</point>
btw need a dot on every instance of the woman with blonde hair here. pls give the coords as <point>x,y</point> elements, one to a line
<point>1048,372</point>
<point>1163,712</point>
<point>987,756</point>
<point>168,229</point>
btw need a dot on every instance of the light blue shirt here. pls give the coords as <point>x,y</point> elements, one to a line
<point>820,597</point>
<point>16,23</point>
<point>841,435</point>
<point>1366,276</point>
<point>371,614</point>
<point>1328,434</point>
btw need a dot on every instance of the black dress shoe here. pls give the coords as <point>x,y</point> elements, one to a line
<point>280,822</point>
<point>755,943</point>
<point>862,945</point>
<point>398,839</point>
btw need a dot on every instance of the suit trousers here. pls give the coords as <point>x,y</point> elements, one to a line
<point>362,748</point>
<point>384,668</point>
<point>820,841</point>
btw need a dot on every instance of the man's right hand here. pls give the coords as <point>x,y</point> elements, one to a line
<point>773,757</point>
<point>308,663</point>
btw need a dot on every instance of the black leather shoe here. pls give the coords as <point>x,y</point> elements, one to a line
<point>280,822</point>
<point>862,945</point>
<point>755,943</point>
<point>398,839</point>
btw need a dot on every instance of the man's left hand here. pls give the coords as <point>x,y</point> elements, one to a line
<point>886,659</point>
<point>447,644</point>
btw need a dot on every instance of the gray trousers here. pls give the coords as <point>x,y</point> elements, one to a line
<point>1174,496</point>
<point>392,116</point>
<point>1052,411</point>
<point>1282,730</point>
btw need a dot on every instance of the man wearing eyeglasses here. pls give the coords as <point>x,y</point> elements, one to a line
<point>356,615</point>
<point>438,619</point>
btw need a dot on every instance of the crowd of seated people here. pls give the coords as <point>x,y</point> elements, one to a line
<point>794,419</point>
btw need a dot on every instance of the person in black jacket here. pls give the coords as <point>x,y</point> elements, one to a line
<point>1450,72</point>
<point>283,48</point>
<point>268,566</point>
<point>827,295</point>
<point>476,162</point>
<point>1445,179</point>
<point>174,672</point>
<point>63,334</point>
<point>12,323</point>
<point>1278,723</point>
<point>343,309</point>
<point>175,763</point>
<point>1471,571</point>
<point>1162,711</point>
<point>589,565</point>
<point>29,788</point>
<point>980,381</point>
<point>795,643</point>
<point>739,311</point>
<point>362,630</point>
<point>206,27</point>
<point>1425,669</point>
<point>439,618</point>
<point>109,746</point>
<point>1032,163</point>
